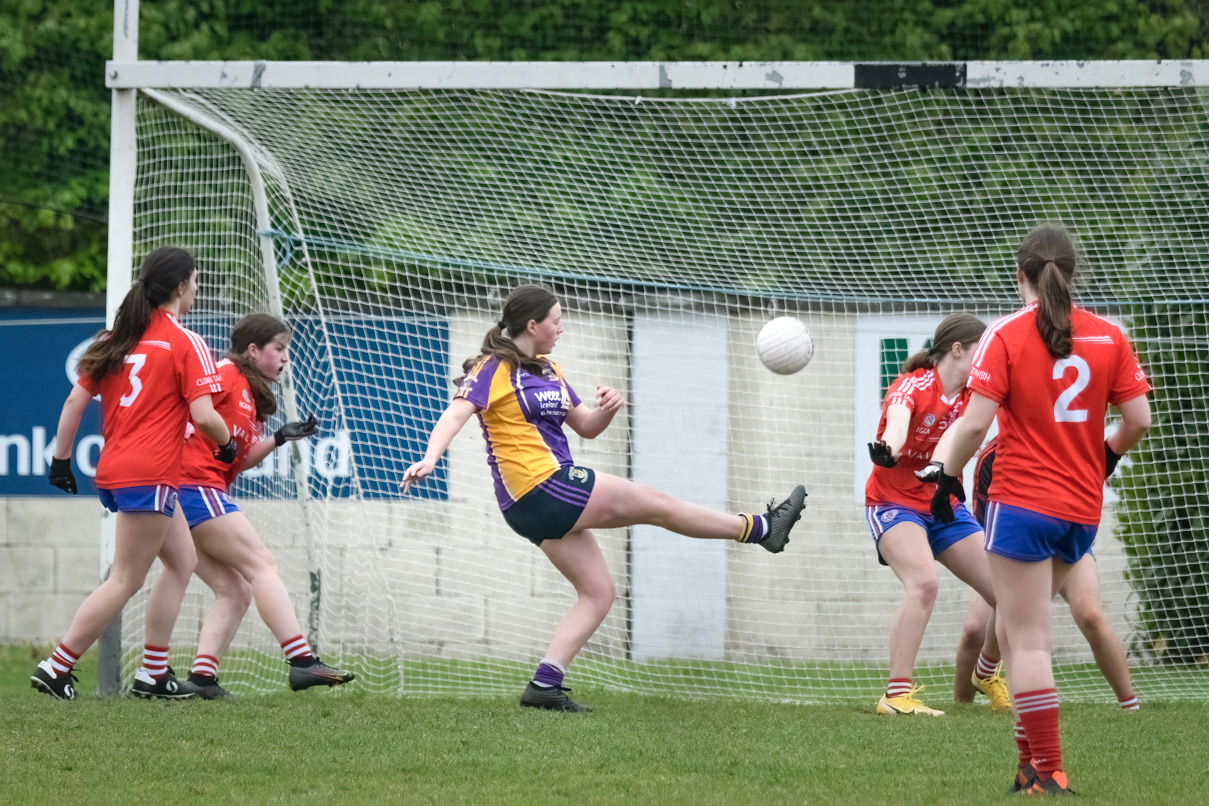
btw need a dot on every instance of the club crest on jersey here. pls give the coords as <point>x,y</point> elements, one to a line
<point>930,420</point>
<point>578,474</point>
<point>247,396</point>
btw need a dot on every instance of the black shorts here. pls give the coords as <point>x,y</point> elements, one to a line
<point>550,510</point>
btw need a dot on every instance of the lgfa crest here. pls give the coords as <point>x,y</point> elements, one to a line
<point>247,396</point>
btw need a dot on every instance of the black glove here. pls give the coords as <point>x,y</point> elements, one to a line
<point>942,507</point>
<point>226,453</point>
<point>1111,458</point>
<point>931,473</point>
<point>881,454</point>
<point>292,431</point>
<point>61,475</point>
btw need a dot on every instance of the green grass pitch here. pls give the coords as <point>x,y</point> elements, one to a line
<point>342,746</point>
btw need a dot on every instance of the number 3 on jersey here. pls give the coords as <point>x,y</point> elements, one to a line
<point>1063,413</point>
<point>136,361</point>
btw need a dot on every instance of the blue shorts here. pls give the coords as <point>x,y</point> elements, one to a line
<point>1021,534</point>
<point>154,498</point>
<point>201,504</point>
<point>882,517</point>
<point>550,510</point>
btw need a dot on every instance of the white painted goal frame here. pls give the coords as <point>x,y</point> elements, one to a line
<point>719,643</point>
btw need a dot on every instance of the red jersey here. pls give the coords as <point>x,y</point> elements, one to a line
<point>1051,417</point>
<point>237,407</point>
<point>145,407</point>
<point>931,415</point>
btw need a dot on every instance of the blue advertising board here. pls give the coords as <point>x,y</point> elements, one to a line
<point>377,386</point>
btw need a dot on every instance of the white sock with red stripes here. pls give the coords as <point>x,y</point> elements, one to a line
<point>155,661</point>
<point>1130,703</point>
<point>298,652</point>
<point>62,660</point>
<point>898,687</point>
<point>205,666</point>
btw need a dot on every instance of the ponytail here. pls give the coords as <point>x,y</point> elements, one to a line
<point>1047,257</point>
<point>160,275</point>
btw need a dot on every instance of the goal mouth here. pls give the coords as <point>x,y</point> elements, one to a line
<point>386,224</point>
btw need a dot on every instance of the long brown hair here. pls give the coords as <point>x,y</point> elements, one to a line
<point>525,303</point>
<point>958,328</point>
<point>258,329</point>
<point>160,275</point>
<point>1048,258</point>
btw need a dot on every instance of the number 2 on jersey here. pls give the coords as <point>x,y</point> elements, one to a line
<point>1063,413</point>
<point>136,361</point>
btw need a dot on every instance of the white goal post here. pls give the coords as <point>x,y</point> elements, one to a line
<point>385,209</point>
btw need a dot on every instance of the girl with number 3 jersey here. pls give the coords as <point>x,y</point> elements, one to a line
<point>1050,371</point>
<point>152,375</point>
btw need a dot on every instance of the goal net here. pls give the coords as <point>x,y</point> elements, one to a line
<point>672,228</point>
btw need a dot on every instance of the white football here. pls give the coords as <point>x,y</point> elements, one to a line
<point>784,345</point>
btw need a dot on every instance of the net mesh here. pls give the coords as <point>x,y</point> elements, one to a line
<point>673,228</point>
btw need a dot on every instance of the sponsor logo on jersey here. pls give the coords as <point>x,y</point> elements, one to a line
<point>980,374</point>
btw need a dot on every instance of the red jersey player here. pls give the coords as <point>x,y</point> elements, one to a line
<point>919,407</point>
<point>232,559</point>
<point>1050,371</point>
<point>152,374</point>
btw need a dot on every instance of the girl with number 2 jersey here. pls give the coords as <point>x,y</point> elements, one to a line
<point>1050,371</point>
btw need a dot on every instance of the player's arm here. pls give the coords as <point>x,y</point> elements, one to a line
<point>61,475</point>
<point>589,423</point>
<point>967,434</point>
<point>1135,422</point>
<point>287,433</point>
<point>209,421</point>
<point>452,419</point>
<point>69,421</point>
<point>886,451</point>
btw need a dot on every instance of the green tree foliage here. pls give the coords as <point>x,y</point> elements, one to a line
<point>54,108</point>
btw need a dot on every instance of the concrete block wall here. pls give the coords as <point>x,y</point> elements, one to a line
<point>449,579</point>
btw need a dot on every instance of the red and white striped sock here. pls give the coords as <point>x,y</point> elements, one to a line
<point>155,661</point>
<point>63,660</point>
<point>205,666</point>
<point>1130,703</point>
<point>297,649</point>
<point>1038,713</point>
<point>898,687</point>
<point>986,665</point>
<point>1025,752</point>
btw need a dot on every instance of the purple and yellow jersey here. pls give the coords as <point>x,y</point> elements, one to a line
<point>522,418</point>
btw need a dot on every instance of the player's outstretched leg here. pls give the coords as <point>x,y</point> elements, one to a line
<point>781,519</point>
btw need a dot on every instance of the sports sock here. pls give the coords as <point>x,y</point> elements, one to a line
<point>755,528</point>
<point>155,661</point>
<point>205,666</point>
<point>1038,713</point>
<point>986,665</point>
<point>63,660</point>
<point>898,687</point>
<point>298,652</point>
<point>1130,703</point>
<point>1025,752</point>
<point>549,674</point>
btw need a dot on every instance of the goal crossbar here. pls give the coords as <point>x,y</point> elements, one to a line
<point>628,76</point>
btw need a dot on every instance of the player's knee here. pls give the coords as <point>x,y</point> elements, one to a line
<point>924,590</point>
<point>972,635</point>
<point>1089,618</point>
